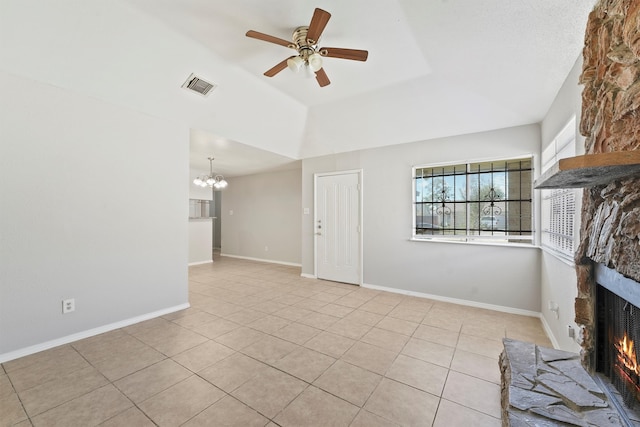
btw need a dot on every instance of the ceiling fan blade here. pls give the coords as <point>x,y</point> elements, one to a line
<point>336,52</point>
<point>322,78</point>
<point>319,20</point>
<point>277,68</point>
<point>270,39</point>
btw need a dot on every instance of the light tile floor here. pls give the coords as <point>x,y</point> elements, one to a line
<point>262,346</point>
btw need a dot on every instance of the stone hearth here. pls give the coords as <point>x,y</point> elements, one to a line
<point>546,387</point>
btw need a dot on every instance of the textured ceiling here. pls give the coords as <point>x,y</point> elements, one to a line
<point>435,68</point>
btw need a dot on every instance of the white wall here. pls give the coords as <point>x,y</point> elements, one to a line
<point>494,275</point>
<point>93,207</point>
<point>118,52</point>
<point>265,223</point>
<point>558,277</point>
<point>217,223</point>
<point>200,230</point>
<point>200,241</point>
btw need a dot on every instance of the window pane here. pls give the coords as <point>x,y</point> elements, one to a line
<point>474,215</point>
<point>558,216</point>
<point>446,189</point>
<point>424,190</point>
<point>460,217</point>
<point>519,164</point>
<point>474,187</point>
<point>445,214</point>
<point>483,167</point>
<point>426,219</point>
<point>558,206</point>
<point>460,188</point>
<point>525,185</point>
<point>419,215</point>
<point>483,200</point>
<point>519,216</point>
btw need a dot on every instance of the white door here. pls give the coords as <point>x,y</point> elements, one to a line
<point>337,227</point>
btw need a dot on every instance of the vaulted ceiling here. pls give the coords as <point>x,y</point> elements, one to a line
<point>435,68</point>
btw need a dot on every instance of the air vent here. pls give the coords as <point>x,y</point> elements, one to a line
<point>198,85</point>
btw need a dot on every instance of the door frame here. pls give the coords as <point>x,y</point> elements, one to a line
<point>360,174</point>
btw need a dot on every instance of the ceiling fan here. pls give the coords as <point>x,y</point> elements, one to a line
<point>305,42</point>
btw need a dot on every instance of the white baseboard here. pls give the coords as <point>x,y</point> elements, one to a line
<point>5,357</point>
<point>191,264</point>
<point>308,276</point>
<point>270,261</point>
<point>549,332</point>
<point>468,303</point>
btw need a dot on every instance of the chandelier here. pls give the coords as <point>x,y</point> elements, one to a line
<point>217,182</point>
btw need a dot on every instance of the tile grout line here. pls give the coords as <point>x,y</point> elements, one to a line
<point>249,288</point>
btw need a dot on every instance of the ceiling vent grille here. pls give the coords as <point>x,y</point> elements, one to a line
<point>198,85</point>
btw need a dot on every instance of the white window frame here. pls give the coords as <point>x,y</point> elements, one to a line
<point>476,239</point>
<point>559,217</point>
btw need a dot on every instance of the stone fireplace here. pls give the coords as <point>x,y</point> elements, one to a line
<point>608,256</point>
<point>610,231</point>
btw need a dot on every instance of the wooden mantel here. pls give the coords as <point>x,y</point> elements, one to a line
<point>590,170</point>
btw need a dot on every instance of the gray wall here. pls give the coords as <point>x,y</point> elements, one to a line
<point>93,207</point>
<point>265,224</point>
<point>494,275</point>
<point>558,277</point>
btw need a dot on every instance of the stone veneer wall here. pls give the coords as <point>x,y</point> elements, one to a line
<point>610,232</point>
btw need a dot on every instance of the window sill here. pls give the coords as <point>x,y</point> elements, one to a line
<point>476,243</point>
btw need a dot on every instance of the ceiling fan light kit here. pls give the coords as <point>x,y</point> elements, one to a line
<point>308,72</point>
<point>310,56</point>
<point>315,61</point>
<point>295,63</point>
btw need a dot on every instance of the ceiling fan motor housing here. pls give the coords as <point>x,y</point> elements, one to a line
<point>304,46</point>
<point>307,50</point>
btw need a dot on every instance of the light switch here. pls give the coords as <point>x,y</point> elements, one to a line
<point>231,212</point>
<point>306,211</point>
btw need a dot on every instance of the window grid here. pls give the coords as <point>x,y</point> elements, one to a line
<point>474,201</point>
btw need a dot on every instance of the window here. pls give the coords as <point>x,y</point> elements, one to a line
<point>558,212</point>
<point>480,201</point>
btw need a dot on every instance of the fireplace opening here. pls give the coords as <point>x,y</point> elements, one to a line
<point>618,345</point>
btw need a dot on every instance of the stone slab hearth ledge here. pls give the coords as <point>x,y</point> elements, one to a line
<point>546,387</point>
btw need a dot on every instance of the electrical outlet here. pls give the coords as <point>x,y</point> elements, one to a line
<point>266,248</point>
<point>68,305</point>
